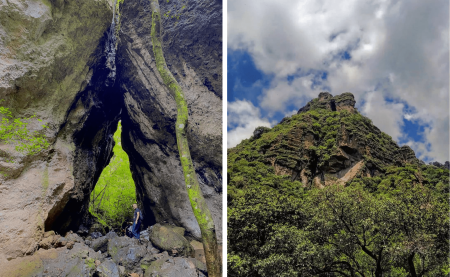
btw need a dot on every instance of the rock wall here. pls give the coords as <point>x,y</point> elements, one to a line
<point>52,64</point>
<point>192,48</point>
<point>47,53</point>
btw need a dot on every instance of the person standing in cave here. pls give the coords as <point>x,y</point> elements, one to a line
<point>137,219</point>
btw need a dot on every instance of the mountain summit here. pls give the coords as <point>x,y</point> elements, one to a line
<point>328,140</point>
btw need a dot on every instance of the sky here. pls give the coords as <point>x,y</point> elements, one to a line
<point>392,55</point>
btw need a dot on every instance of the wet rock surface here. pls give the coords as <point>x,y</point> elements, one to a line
<point>47,53</point>
<point>121,257</point>
<point>149,111</point>
<point>53,64</point>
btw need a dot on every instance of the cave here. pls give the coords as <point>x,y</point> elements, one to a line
<point>84,118</point>
<point>333,105</point>
<point>94,143</point>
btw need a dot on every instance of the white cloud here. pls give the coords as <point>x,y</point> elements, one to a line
<point>399,50</point>
<point>243,117</point>
<point>281,93</point>
<point>387,116</point>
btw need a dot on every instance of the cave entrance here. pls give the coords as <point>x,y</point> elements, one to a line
<point>114,193</point>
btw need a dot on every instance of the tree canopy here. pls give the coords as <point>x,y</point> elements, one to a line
<point>392,223</point>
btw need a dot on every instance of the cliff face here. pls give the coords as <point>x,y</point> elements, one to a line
<point>327,141</point>
<point>53,64</point>
<point>192,49</point>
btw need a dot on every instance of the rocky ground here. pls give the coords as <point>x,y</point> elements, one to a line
<point>162,251</point>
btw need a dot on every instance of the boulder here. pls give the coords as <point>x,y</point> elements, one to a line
<point>108,269</point>
<point>121,270</point>
<point>173,267</point>
<point>178,230</point>
<point>82,230</point>
<point>199,252</point>
<point>62,241</point>
<point>151,249</point>
<point>150,258</point>
<point>46,243</point>
<point>100,244</point>
<point>168,238</point>
<point>199,265</point>
<point>126,251</point>
<point>50,240</point>
<point>70,236</point>
<point>70,245</point>
<point>96,235</point>
<point>49,234</point>
<point>145,235</point>
<point>111,235</point>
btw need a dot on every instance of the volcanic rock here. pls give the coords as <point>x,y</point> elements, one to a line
<point>53,64</point>
<point>168,238</point>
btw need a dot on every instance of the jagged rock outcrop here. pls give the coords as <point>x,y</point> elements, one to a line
<point>327,141</point>
<point>345,101</point>
<point>446,165</point>
<point>53,64</point>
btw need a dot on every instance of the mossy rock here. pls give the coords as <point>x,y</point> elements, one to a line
<point>168,238</point>
<point>108,269</point>
<point>155,266</point>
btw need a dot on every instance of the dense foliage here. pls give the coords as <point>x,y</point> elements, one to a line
<point>115,192</point>
<point>392,224</point>
<point>15,131</point>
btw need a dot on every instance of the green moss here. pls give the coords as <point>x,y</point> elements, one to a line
<point>118,19</point>
<point>75,270</point>
<point>47,3</point>
<point>90,263</point>
<point>198,203</point>
<point>113,251</point>
<point>30,266</point>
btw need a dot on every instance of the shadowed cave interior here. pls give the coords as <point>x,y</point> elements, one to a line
<point>94,144</point>
<point>130,92</point>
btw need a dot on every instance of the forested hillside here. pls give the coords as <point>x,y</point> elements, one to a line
<point>326,193</point>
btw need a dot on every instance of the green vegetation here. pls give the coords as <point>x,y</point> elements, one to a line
<point>115,192</point>
<point>198,203</point>
<point>392,224</point>
<point>118,19</point>
<point>15,131</point>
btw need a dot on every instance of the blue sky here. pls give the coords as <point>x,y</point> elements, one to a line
<point>392,55</point>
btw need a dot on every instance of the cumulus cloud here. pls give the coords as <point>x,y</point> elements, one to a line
<point>243,118</point>
<point>379,50</point>
<point>282,92</point>
<point>387,116</point>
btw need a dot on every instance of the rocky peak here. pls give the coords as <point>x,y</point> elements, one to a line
<point>446,165</point>
<point>328,141</point>
<point>344,101</point>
